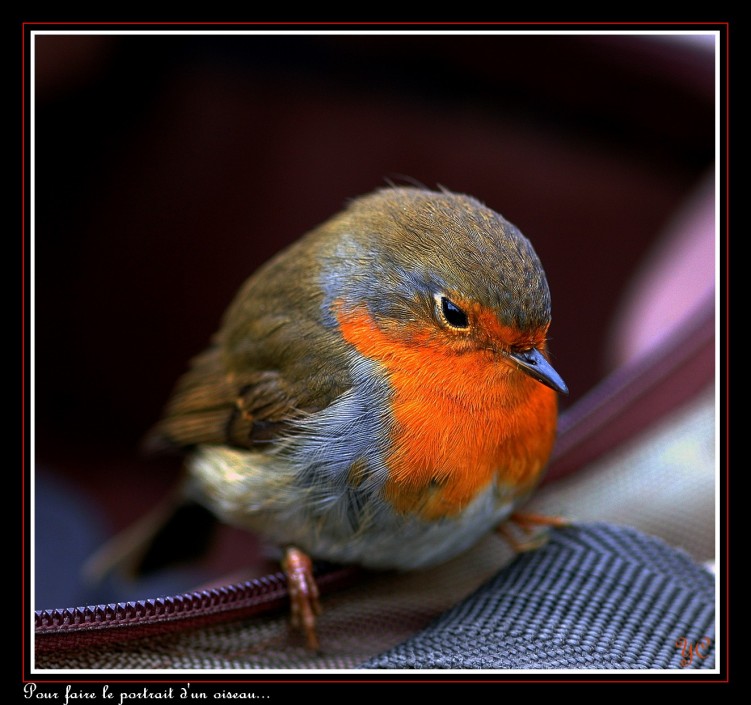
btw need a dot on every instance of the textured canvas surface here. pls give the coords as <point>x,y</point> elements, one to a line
<point>595,596</point>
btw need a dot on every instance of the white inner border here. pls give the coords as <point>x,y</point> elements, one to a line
<point>709,39</point>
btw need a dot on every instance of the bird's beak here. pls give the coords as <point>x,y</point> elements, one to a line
<point>533,363</point>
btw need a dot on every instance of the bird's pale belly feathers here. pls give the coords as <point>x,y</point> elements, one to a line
<point>339,527</point>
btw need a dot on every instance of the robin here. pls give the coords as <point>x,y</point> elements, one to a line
<point>379,393</point>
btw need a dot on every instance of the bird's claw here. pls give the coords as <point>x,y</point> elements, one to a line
<point>303,594</point>
<point>528,523</point>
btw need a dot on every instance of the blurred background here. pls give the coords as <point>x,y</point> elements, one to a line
<point>168,167</point>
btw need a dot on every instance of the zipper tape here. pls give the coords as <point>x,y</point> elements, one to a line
<point>81,627</point>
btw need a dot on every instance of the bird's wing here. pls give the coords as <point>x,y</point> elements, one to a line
<point>211,404</point>
<point>246,389</point>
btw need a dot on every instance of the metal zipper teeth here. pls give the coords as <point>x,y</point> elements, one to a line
<point>254,594</point>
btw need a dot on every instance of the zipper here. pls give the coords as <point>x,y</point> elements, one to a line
<point>98,624</point>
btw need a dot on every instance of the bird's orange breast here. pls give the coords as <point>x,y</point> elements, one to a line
<point>460,419</point>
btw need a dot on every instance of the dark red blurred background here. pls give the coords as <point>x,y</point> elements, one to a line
<point>169,167</point>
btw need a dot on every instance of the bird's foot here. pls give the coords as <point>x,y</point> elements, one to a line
<point>303,594</point>
<point>533,527</point>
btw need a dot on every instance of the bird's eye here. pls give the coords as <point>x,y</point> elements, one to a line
<point>452,314</point>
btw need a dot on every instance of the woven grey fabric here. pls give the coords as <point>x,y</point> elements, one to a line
<point>596,596</point>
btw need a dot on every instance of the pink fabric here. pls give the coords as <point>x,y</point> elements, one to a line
<point>676,279</point>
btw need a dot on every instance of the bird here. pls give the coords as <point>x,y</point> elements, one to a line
<point>379,393</point>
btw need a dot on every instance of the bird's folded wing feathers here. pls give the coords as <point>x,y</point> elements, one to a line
<point>212,404</point>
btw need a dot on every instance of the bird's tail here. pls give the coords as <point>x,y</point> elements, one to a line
<point>175,531</point>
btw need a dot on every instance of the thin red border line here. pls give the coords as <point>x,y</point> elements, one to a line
<point>23,341</point>
<point>199,681</point>
<point>24,615</point>
<point>726,25</point>
<point>727,353</point>
<point>386,23</point>
<point>510,681</point>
